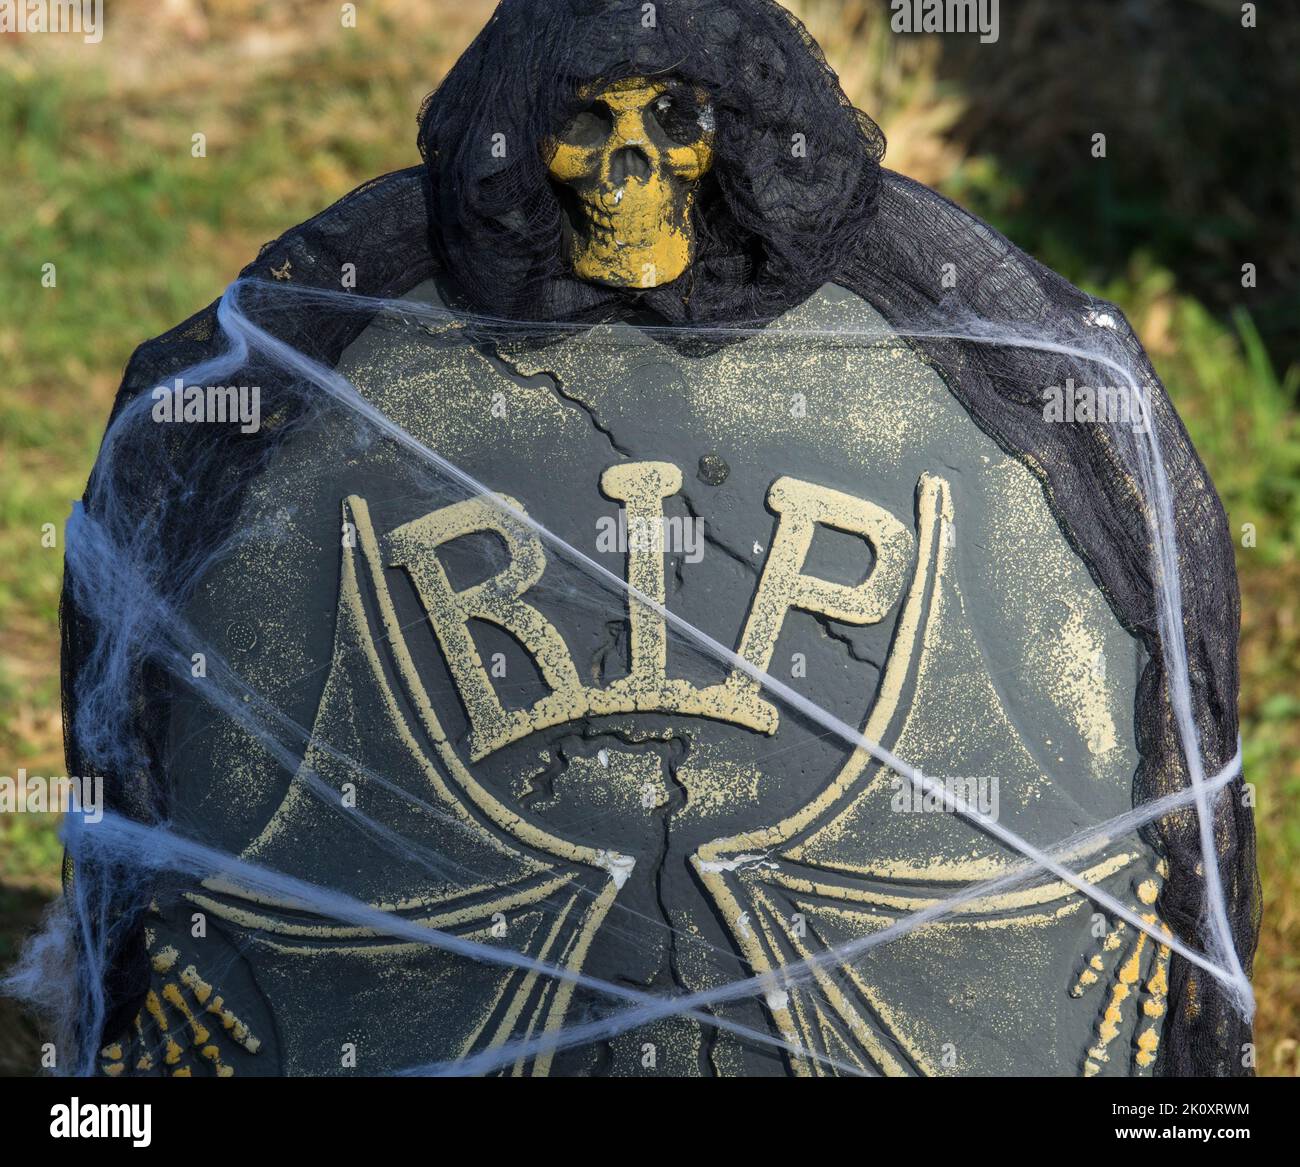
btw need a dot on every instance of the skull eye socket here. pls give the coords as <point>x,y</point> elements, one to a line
<point>680,116</point>
<point>591,127</point>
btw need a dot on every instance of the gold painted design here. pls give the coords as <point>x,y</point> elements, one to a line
<point>800,506</point>
<point>798,861</point>
<point>869,407</point>
<point>633,186</point>
<point>367,619</point>
<point>542,866</point>
<point>1125,988</point>
<point>761,879</point>
<point>184,1025</point>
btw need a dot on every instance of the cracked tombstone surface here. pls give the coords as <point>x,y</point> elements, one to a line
<point>536,767</point>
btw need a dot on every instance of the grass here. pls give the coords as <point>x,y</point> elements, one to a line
<point>100,181</point>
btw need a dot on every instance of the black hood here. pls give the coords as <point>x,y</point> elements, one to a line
<point>795,178</point>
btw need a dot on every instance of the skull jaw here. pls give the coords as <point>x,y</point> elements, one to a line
<point>643,241</point>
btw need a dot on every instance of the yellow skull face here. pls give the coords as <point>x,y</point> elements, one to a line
<point>630,162</point>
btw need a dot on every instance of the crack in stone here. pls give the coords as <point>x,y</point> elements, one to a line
<point>713,541</point>
<point>556,385</point>
<point>828,627</point>
<point>614,643</point>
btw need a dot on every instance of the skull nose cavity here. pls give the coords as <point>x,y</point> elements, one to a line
<point>629,162</point>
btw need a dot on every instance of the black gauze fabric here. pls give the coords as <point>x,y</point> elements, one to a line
<point>773,226</point>
<point>794,182</point>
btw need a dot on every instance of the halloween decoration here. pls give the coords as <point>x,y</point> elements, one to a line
<point>630,162</point>
<point>663,622</point>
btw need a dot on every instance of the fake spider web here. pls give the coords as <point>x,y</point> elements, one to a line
<point>131,590</point>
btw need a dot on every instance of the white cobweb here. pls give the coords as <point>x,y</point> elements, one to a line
<point>113,566</point>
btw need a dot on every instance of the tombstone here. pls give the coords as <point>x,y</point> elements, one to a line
<point>693,561</point>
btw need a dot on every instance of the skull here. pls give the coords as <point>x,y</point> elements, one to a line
<point>627,167</point>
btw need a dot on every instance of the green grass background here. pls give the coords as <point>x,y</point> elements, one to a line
<point>98,179</point>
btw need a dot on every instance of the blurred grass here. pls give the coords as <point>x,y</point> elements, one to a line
<point>297,111</point>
